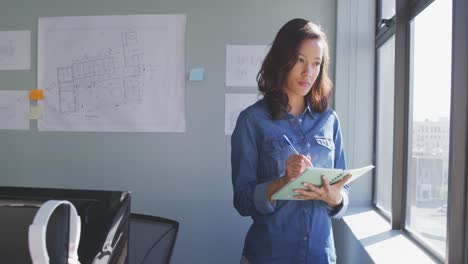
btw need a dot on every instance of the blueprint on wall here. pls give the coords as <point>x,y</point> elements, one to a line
<point>112,73</point>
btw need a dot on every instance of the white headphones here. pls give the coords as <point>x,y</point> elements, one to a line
<point>37,233</point>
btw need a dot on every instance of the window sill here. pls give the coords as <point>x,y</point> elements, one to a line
<point>379,241</point>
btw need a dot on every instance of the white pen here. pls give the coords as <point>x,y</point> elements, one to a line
<point>291,146</point>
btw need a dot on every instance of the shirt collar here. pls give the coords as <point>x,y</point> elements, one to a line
<point>308,109</point>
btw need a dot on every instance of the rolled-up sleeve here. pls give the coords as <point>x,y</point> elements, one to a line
<point>339,211</point>
<point>250,198</point>
<point>262,204</point>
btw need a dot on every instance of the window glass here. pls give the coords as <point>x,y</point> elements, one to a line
<point>384,137</point>
<point>387,9</point>
<point>430,86</point>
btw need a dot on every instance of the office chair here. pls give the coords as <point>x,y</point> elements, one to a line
<point>152,239</point>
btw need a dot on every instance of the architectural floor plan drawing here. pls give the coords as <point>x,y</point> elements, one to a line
<point>103,82</point>
<point>113,73</point>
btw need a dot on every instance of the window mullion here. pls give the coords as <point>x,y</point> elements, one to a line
<point>457,185</point>
<point>400,151</point>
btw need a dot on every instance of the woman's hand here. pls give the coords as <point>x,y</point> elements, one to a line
<point>330,194</point>
<point>295,166</point>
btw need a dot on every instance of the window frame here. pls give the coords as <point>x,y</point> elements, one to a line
<point>457,206</point>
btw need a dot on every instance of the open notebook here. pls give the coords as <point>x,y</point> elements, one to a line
<point>313,175</point>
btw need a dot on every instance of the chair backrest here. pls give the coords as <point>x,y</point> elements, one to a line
<point>152,239</point>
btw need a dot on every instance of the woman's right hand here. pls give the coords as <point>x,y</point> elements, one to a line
<point>295,166</point>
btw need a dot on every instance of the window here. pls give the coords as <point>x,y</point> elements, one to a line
<point>421,109</point>
<point>384,125</point>
<point>387,9</point>
<point>430,90</point>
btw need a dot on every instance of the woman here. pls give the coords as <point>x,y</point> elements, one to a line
<point>295,84</point>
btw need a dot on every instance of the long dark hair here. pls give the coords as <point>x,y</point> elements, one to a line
<point>281,59</point>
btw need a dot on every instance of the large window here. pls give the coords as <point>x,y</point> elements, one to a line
<point>429,124</point>
<point>421,181</point>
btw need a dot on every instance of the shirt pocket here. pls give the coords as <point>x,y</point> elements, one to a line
<point>273,159</point>
<point>323,152</point>
<point>325,142</point>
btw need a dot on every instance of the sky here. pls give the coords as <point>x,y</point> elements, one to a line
<point>432,61</point>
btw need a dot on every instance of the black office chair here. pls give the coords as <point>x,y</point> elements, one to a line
<point>152,239</point>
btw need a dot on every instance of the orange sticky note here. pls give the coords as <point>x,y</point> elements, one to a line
<point>36,94</point>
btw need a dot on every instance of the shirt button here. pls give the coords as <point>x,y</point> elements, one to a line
<point>305,237</point>
<point>300,120</point>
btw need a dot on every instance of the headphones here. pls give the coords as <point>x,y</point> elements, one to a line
<point>37,233</point>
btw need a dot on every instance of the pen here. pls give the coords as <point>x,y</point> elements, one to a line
<point>291,146</point>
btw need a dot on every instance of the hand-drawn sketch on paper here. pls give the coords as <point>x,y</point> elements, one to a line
<point>15,50</point>
<point>14,107</point>
<point>235,103</point>
<point>243,63</point>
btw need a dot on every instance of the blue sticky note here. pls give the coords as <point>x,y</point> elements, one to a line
<point>197,74</point>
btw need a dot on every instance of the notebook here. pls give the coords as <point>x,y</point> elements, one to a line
<point>313,175</point>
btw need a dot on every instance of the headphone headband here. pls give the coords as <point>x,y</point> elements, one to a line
<point>37,233</point>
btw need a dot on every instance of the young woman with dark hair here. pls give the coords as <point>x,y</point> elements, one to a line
<point>296,87</point>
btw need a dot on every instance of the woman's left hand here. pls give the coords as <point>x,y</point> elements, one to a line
<point>330,194</point>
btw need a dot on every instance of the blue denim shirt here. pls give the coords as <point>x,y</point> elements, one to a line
<point>284,231</point>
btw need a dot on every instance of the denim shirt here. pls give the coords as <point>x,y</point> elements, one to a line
<point>284,231</point>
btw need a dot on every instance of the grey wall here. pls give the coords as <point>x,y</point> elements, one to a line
<point>182,176</point>
<point>354,100</point>
<point>354,92</point>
